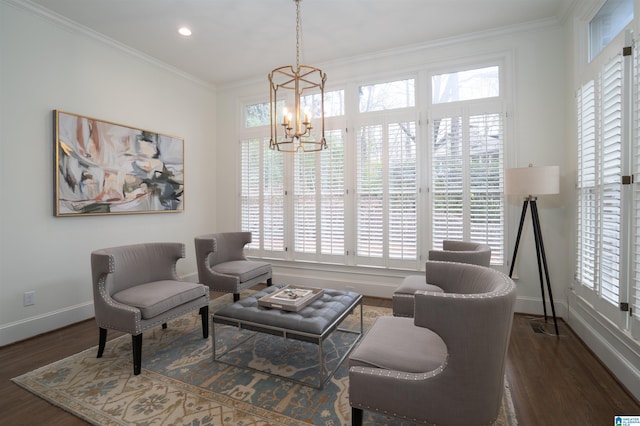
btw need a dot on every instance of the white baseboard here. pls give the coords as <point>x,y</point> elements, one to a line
<point>533,306</point>
<point>29,327</point>
<point>616,350</point>
<point>366,281</point>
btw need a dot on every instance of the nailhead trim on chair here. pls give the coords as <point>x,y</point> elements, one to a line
<point>405,376</point>
<point>397,375</point>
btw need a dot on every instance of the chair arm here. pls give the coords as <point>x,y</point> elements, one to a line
<point>112,314</point>
<point>216,280</point>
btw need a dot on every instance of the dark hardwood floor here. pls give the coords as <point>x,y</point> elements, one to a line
<point>554,380</point>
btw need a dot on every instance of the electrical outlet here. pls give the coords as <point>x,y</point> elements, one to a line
<point>29,298</point>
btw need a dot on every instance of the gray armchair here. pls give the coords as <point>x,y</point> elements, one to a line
<point>223,266</point>
<point>136,287</point>
<point>452,251</point>
<point>446,365</point>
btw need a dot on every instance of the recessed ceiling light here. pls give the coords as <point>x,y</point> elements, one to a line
<point>185,31</point>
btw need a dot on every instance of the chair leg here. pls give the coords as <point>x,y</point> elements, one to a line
<point>204,313</point>
<point>356,416</point>
<point>136,342</point>
<point>269,282</point>
<point>236,297</point>
<point>102,340</point>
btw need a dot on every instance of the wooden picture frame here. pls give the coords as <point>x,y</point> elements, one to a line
<point>104,168</point>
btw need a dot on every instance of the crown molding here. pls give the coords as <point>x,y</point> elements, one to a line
<point>62,21</point>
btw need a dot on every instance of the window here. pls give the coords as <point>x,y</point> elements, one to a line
<point>467,166</point>
<point>319,201</point>
<point>599,189</point>
<point>384,96</point>
<point>262,195</point>
<point>359,202</point>
<point>466,85</point>
<point>612,18</point>
<point>386,170</point>
<point>467,160</point>
<point>605,207</point>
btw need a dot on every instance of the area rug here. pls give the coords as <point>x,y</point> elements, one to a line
<point>181,385</point>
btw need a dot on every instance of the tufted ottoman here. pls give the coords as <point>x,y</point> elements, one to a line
<point>314,323</point>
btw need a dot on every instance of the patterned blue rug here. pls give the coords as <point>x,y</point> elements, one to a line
<point>181,385</point>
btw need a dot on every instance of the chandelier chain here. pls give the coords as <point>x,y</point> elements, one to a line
<point>297,34</point>
<point>295,132</point>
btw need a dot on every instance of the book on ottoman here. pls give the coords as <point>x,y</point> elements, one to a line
<point>290,298</point>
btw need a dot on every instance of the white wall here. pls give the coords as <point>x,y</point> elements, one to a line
<point>48,65</point>
<point>536,130</point>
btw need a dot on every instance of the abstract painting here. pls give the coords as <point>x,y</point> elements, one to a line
<point>108,168</point>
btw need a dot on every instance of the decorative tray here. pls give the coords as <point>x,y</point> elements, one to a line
<point>290,298</point>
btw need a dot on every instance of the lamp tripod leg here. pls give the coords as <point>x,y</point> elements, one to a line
<point>540,249</point>
<point>515,251</point>
<point>537,237</point>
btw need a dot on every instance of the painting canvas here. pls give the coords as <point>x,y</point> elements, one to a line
<point>108,168</point>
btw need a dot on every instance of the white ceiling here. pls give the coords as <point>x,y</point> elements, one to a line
<point>239,39</point>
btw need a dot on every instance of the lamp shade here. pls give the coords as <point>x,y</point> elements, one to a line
<point>532,180</point>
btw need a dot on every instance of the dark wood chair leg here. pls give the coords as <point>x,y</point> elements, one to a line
<point>269,282</point>
<point>136,343</point>
<point>356,416</point>
<point>102,340</point>
<point>204,313</point>
<point>236,297</point>
<point>164,326</point>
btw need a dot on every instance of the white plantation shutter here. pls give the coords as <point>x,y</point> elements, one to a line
<point>447,168</point>
<point>369,190</point>
<point>386,193</point>
<point>332,195</point>
<point>250,194</point>
<point>319,200</point>
<point>635,276</point>
<point>600,169</point>
<point>304,203</point>
<point>486,182</point>
<point>273,199</point>
<point>586,191</point>
<point>467,166</point>
<point>402,192</point>
<point>611,166</point>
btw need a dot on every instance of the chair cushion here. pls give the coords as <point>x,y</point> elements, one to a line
<point>413,283</point>
<point>245,270</point>
<point>157,297</point>
<point>395,343</point>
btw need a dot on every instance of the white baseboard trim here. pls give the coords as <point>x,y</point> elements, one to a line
<point>366,281</point>
<point>618,352</point>
<point>533,306</point>
<point>29,327</point>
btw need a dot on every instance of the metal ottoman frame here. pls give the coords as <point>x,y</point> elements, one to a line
<point>255,319</point>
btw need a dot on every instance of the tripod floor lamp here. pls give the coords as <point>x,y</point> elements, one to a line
<point>531,182</point>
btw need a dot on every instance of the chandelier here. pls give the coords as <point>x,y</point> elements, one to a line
<point>304,87</point>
